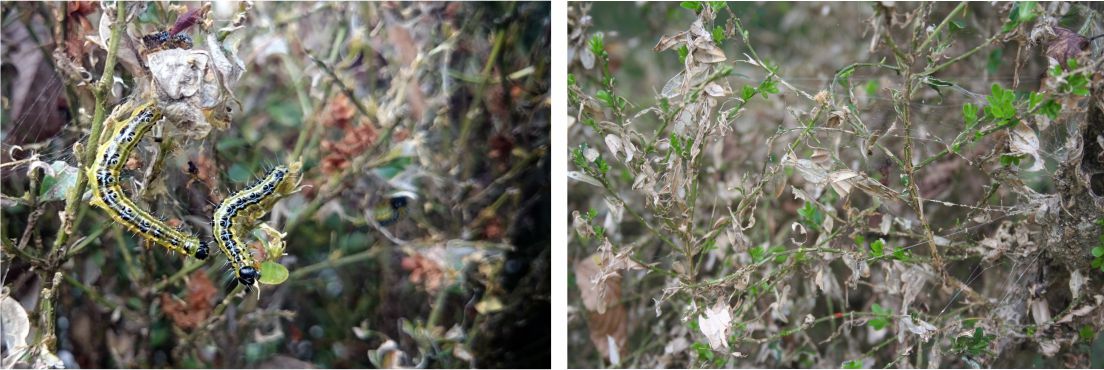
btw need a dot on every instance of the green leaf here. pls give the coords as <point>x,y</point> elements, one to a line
<point>969,113</point>
<point>597,46</point>
<point>1098,251</point>
<point>872,87</point>
<point>901,254</point>
<point>853,364</point>
<point>578,157</point>
<point>1001,103</point>
<point>273,273</point>
<point>878,323</point>
<point>1087,333</point>
<point>882,316</point>
<point>692,5</point>
<point>957,25</point>
<point>758,254</point>
<point>769,86</point>
<point>747,92</point>
<point>975,345</point>
<point>1010,160</point>
<point>606,97</point>
<point>703,350</point>
<point>844,74</point>
<point>683,52</point>
<point>718,34</point>
<point>777,252</point>
<point>1026,12</point>
<point>570,79</point>
<point>878,247</point>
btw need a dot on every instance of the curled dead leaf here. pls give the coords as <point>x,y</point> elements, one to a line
<point>606,316</point>
<point>715,324</point>
<point>1067,44</point>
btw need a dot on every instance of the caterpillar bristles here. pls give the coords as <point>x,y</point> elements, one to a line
<point>230,284</point>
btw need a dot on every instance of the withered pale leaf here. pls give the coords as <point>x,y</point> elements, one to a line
<point>1024,141</point>
<point>579,176</point>
<point>606,316</point>
<point>714,89</point>
<point>667,42</point>
<point>715,324</point>
<point>920,327</point>
<point>614,144</point>
<point>707,52</point>
<point>1077,280</point>
<point>15,322</point>
<point>673,87</point>
<point>587,58</point>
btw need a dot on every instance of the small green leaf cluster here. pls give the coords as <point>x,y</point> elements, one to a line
<point>597,168</point>
<point>681,147</point>
<point>697,6</point>
<point>760,254</point>
<point>878,250</point>
<point>975,345</point>
<point>882,317</point>
<point>811,215</point>
<point>1022,12</point>
<point>599,231</point>
<point>1072,83</point>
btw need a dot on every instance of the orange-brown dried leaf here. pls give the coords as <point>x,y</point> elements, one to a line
<point>493,229</point>
<point>610,323</point>
<point>205,171</point>
<point>191,313</point>
<point>339,154</point>
<point>339,113</point>
<point>77,16</point>
<point>423,271</point>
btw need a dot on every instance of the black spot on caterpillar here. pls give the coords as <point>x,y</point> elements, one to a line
<point>104,176</point>
<point>236,216</point>
<point>395,209</point>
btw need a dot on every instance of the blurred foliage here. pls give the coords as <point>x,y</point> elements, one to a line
<point>850,185</point>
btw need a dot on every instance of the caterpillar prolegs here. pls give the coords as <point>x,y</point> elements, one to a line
<point>104,176</point>
<point>238,213</point>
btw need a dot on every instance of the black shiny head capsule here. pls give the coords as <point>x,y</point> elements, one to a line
<point>398,202</point>
<point>201,252</point>
<point>248,275</point>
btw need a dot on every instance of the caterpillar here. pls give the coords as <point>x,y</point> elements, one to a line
<point>394,210</point>
<point>237,214</point>
<point>104,176</point>
<point>162,40</point>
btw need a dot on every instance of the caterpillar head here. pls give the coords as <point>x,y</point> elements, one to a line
<point>201,251</point>
<point>248,275</point>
